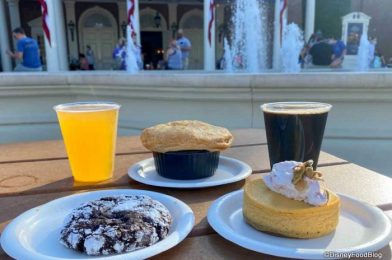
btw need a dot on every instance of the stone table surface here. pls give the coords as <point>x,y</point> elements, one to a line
<point>34,173</point>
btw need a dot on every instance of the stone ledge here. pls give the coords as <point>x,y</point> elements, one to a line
<point>361,101</point>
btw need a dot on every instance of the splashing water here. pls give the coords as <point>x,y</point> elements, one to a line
<point>131,61</point>
<point>363,53</point>
<point>228,57</point>
<point>292,44</point>
<point>248,49</point>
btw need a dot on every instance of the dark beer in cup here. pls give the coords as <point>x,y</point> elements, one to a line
<point>295,130</point>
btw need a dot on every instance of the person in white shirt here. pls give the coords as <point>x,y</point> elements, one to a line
<point>185,46</point>
<point>90,57</point>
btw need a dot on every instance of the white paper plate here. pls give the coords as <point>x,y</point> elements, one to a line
<point>35,234</point>
<point>361,228</point>
<point>229,170</point>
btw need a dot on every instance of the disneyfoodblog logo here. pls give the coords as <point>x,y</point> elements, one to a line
<point>348,255</point>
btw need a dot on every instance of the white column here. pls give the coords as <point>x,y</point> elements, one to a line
<point>72,44</point>
<point>309,18</point>
<point>136,19</point>
<point>13,6</point>
<point>277,44</point>
<point>52,58</point>
<point>6,63</point>
<point>56,52</point>
<point>209,48</point>
<point>137,22</point>
<point>60,34</point>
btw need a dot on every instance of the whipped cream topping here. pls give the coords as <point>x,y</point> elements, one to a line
<point>280,181</point>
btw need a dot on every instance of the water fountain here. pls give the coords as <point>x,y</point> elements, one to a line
<point>363,53</point>
<point>228,57</point>
<point>248,42</point>
<point>131,60</point>
<point>292,44</point>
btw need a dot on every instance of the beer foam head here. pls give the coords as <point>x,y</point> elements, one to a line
<point>86,107</point>
<point>296,108</point>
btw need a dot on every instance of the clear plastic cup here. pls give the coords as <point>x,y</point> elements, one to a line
<point>89,131</point>
<point>295,130</point>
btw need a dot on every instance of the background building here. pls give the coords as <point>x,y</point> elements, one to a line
<point>100,23</point>
<point>329,18</point>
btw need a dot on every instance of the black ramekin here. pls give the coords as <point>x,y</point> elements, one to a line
<point>186,165</point>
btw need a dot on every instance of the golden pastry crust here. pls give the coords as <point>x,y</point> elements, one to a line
<point>186,135</point>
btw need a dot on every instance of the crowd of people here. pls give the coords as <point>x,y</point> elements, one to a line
<point>318,51</point>
<point>176,56</point>
<point>28,58</point>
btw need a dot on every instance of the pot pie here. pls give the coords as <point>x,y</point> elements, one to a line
<point>291,201</point>
<point>187,149</point>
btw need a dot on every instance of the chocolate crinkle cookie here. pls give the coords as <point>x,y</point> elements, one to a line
<point>116,224</point>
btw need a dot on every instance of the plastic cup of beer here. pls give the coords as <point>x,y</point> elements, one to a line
<point>89,131</point>
<point>295,130</point>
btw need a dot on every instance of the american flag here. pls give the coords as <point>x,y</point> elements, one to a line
<point>283,7</point>
<point>45,20</point>
<point>131,17</point>
<point>211,17</point>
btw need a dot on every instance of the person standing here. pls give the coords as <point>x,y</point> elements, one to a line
<point>185,46</point>
<point>372,50</point>
<point>90,57</point>
<point>378,61</point>
<point>119,54</point>
<point>83,62</point>
<point>339,50</point>
<point>173,57</point>
<point>27,52</point>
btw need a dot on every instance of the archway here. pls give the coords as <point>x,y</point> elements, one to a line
<point>153,39</point>
<point>98,28</point>
<point>192,24</point>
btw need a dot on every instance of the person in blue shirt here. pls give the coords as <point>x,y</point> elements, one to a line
<point>339,50</point>
<point>173,56</point>
<point>186,46</point>
<point>119,55</point>
<point>27,52</point>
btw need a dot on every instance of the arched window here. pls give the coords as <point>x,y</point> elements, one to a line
<point>97,20</point>
<point>147,21</point>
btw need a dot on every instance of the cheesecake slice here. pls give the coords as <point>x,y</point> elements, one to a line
<point>272,212</point>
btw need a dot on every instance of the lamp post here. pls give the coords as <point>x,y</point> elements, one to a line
<point>174,28</point>
<point>71,27</point>
<point>124,28</point>
<point>157,20</point>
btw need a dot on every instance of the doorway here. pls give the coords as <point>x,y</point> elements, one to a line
<point>152,49</point>
<point>98,28</point>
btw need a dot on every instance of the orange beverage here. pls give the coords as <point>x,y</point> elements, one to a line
<point>89,131</point>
